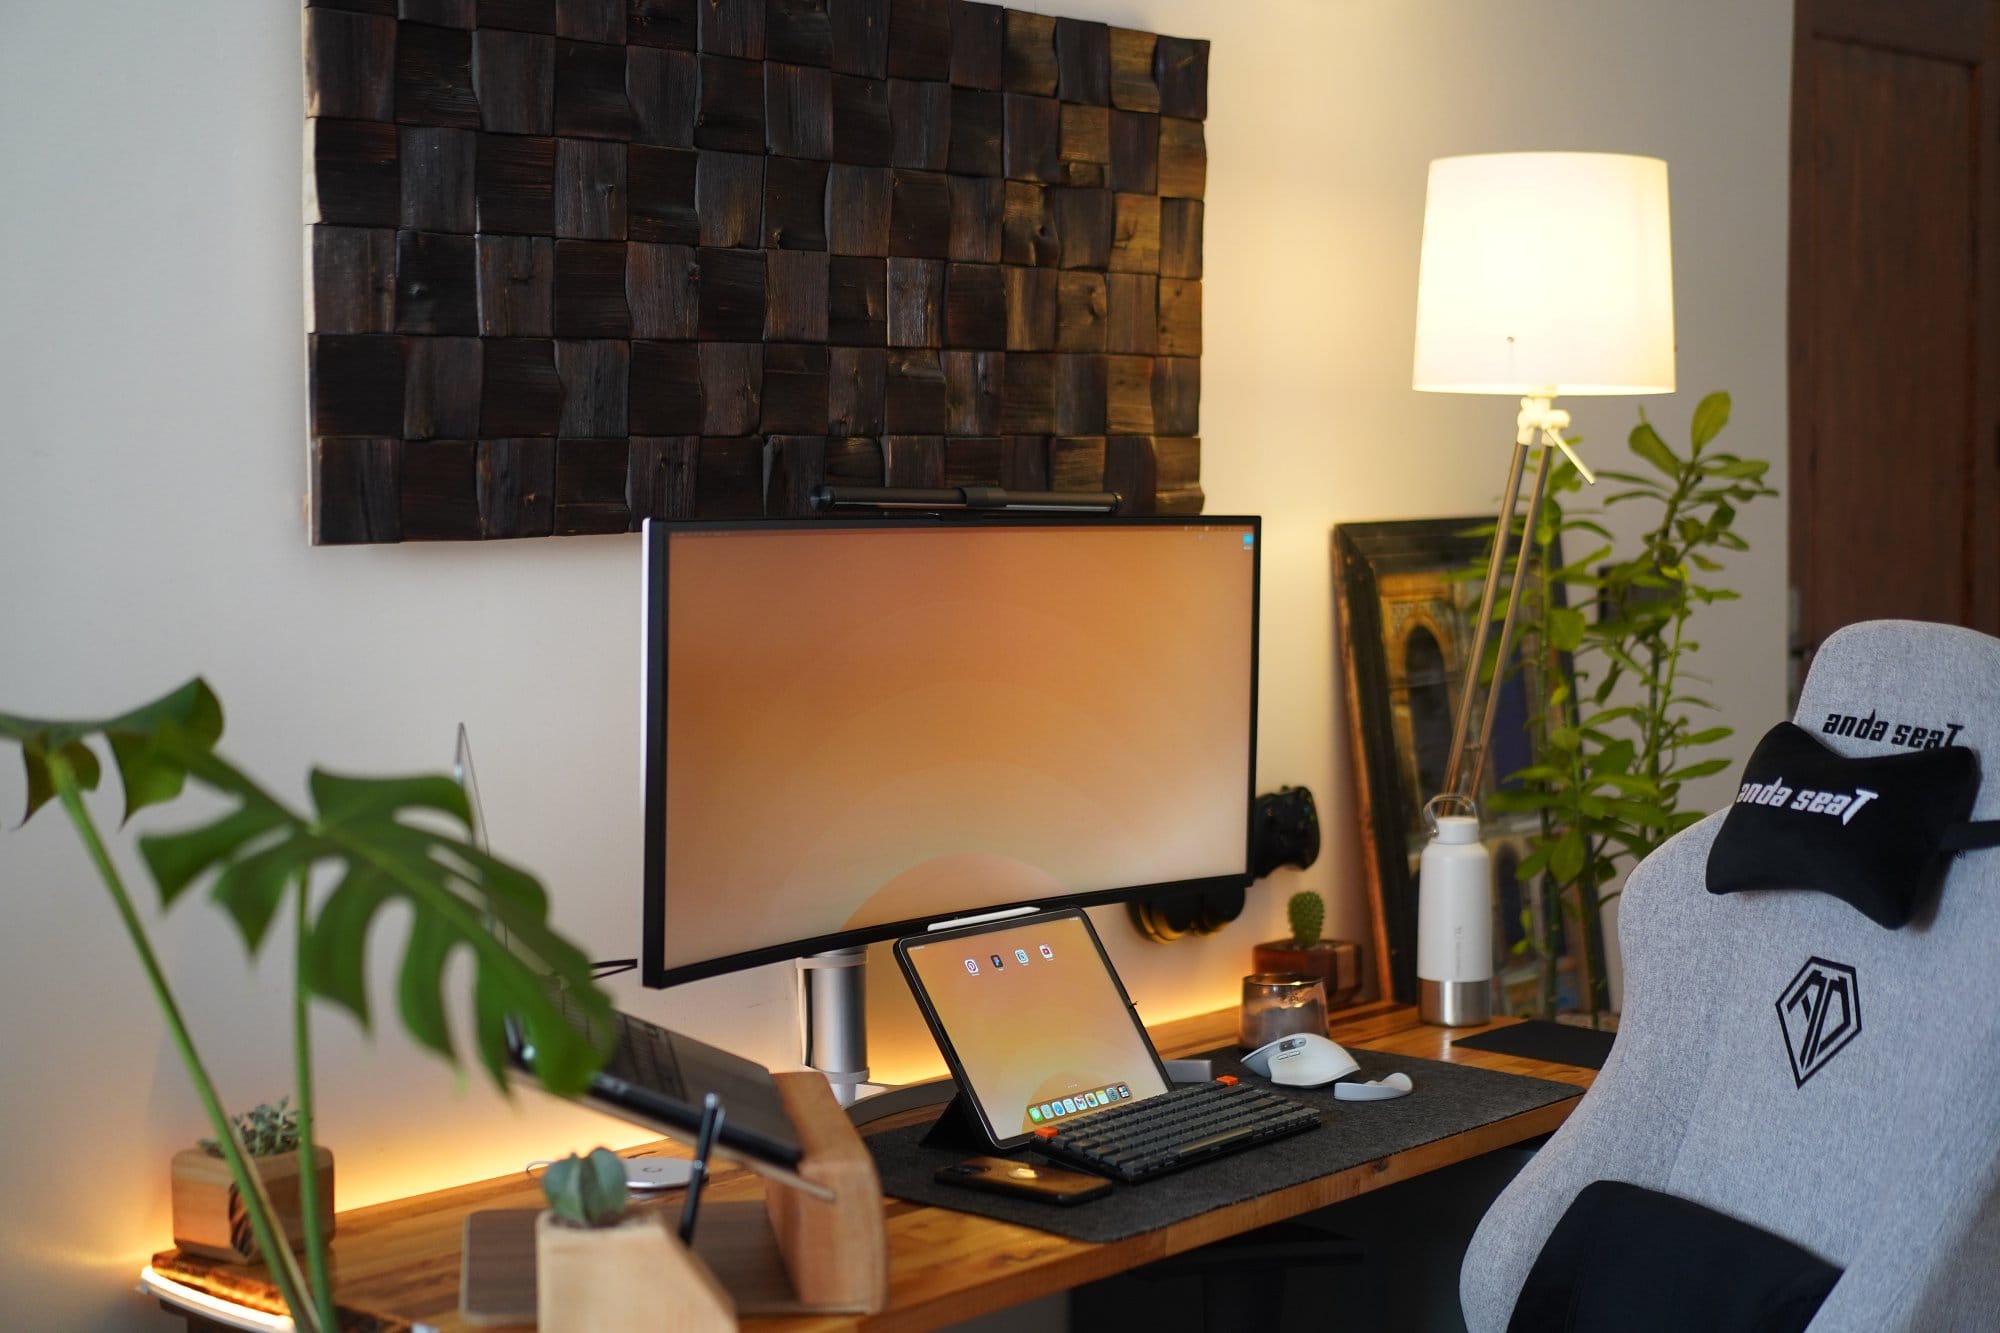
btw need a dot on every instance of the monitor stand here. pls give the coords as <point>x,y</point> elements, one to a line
<point>833,991</point>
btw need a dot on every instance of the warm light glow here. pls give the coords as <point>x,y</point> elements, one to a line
<point>1546,274</point>
<point>210,1307</point>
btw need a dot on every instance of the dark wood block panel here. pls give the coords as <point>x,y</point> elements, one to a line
<point>519,392</point>
<point>354,491</point>
<point>732,103</point>
<point>857,210</point>
<point>795,297</point>
<point>353,179</point>
<point>920,39</point>
<point>798,111</point>
<point>857,301</point>
<point>1033,138</point>
<point>1180,238</point>
<point>1082,312</point>
<point>594,373</point>
<point>913,460</point>
<point>1027,226</point>
<point>665,397</point>
<point>854,461</point>
<point>1076,464</point>
<point>1131,471</point>
<point>860,37</point>
<point>591,100</point>
<point>916,302</point>
<point>350,65</point>
<point>798,32</point>
<point>729,198</point>
<point>795,389</point>
<point>660,23</point>
<point>517,286</point>
<point>357,384</point>
<point>797,465</point>
<point>439,491</point>
<point>861,132</point>
<point>590,294</point>
<point>1183,159</point>
<point>732,387</point>
<point>579,262</point>
<point>978,45</point>
<point>590,190</point>
<point>441,380</point>
<point>660,476</point>
<point>663,290</point>
<point>1029,62</point>
<point>915,402</point>
<point>353,280</point>
<point>1083,62</point>
<point>514,78</point>
<point>1181,69</point>
<point>974,383</point>
<point>732,28</point>
<point>591,479</point>
<point>665,91</point>
<point>919,124</point>
<point>1133,87</point>
<point>436,167</point>
<point>515,187</point>
<point>434,77</point>
<point>660,184</point>
<point>972,461</point>
<point>517,488</point>
<point>794,204</point>
<point>729,478</point>
<point>857,393</point>
<point>591,20</point>
<point>732,295</point>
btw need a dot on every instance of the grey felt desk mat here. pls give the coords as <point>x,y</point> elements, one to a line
<point>1448,1099</point>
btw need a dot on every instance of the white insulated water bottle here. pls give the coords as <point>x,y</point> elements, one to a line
<point>1455,926</point>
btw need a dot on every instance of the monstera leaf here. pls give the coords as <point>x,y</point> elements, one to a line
<point>150,775</point>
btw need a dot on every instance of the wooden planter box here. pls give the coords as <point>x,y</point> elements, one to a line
<point>209,1217</point>
<point>634,1277</point>
<point>1337,963</point>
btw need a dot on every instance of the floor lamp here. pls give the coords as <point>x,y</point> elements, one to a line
<point>1542,275</point>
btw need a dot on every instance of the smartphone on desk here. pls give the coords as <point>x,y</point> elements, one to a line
<point>1046,1184</point>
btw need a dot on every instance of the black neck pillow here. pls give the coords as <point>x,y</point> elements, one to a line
<point>1875,832</point>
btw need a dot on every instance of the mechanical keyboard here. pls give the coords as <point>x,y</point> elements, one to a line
<point>1188,1124</point>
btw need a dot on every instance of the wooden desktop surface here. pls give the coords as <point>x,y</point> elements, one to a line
<point>399,1261</point>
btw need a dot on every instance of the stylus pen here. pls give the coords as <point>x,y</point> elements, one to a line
<point>704,1141</point>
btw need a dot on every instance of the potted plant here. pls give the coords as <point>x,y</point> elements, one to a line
<point>209,1215</point>
<point>599,1266</point>
<point>364,844</point>
<point>1335,962</point>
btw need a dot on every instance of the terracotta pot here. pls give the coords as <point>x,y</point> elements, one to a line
<point>209,1217</point>
<point>634,1276</point>
<point>1337,963</point>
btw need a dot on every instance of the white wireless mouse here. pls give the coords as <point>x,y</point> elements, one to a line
<point>1307,1060</point>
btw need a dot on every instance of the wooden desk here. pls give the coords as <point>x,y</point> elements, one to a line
<point>398,1262</point>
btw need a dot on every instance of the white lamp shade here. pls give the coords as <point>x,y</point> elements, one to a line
<point>1546,274</point>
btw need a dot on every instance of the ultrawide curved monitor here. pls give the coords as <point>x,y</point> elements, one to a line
<point>854,729</point>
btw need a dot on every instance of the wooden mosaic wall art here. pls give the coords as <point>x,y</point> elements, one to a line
<point>577,262</point>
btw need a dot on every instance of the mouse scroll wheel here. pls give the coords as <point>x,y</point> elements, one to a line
<point>1292,1043</point>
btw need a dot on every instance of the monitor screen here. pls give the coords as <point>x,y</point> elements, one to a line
<point>857,728</point>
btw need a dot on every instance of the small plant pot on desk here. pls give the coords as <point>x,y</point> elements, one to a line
<point>1337,963</point>
<point>209,1218</point>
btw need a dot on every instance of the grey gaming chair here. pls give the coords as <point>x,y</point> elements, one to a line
<point>1886,1160</point>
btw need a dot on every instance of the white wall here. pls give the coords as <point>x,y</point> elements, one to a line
<point>152,465</point>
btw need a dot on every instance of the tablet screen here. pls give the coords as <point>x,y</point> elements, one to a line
<point>1035,1023</point>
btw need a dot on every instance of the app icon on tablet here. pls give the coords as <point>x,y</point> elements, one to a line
<point>1021,957</point>
<point>972,966</point>
<point>1047,952</point>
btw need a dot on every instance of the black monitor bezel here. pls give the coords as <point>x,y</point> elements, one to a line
<point>656,538</point>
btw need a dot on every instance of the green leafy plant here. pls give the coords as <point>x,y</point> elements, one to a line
<point>587,1191</point>
<point>265,1130</point>
<point>1613,752</point>
<point>364,844</point>
<point>1307,912</point>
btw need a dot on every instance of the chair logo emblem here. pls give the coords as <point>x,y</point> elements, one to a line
<point>1820,1012</point>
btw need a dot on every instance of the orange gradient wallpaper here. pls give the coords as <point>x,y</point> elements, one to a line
<point>869,725</point>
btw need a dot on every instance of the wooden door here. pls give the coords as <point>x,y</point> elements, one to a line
<point>1895,288</point>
